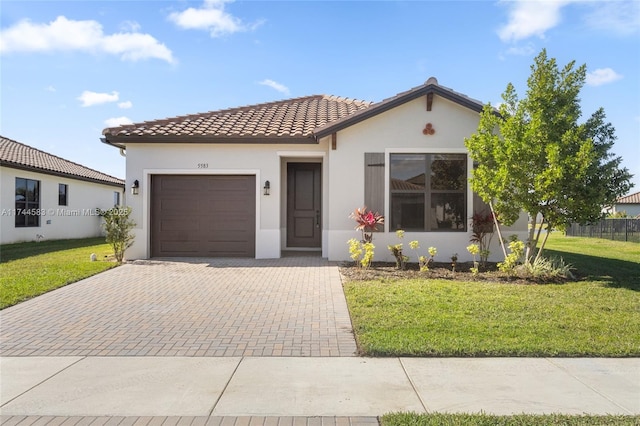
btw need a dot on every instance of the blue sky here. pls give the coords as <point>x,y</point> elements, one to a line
<point>71,68</point>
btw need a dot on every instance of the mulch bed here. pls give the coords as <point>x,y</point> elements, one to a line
<point>388,271</point>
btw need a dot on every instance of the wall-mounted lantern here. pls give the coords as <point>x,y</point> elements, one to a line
<point>135,187</point>
<point>267,187</point>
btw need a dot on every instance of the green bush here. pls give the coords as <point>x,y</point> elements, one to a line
<point>117,227</point>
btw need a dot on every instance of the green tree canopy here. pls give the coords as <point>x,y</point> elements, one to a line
<point>532,155</point>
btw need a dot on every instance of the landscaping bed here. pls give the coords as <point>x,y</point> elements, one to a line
<point>443,271</point>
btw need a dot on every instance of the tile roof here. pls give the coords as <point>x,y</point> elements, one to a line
<point>293,120</point>
<point>429,86</point>
<point>629,199</point>
<point>20,156</point>
<point>298,120</point>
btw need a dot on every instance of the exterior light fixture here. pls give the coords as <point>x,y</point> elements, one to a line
<point>135,187</point>
<point>267,187</point>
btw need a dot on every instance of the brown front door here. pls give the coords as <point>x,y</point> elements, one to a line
<point>304,224</point>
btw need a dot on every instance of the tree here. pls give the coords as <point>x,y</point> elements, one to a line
<point>533,156</point>
<point>117,227</point>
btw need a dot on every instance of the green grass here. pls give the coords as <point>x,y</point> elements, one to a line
<point>597,316</point>
<point>437,419</point>
<point>30,269</point>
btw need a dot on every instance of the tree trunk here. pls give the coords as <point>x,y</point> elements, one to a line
<point>495,221</point>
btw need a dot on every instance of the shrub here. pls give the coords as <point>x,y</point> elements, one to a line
<point>117,227</point>
<point>474,249</point>
<point>514,258</point>
<point>548,269</point>
<point>482,228</point>
<point>367,222</point>
<point>396,250</point>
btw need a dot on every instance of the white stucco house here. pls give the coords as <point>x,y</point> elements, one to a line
<point>47,197</point>
<point>260,180</point>
<point>629,204</point>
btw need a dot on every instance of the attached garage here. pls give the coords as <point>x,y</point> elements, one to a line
<point>203,215</point>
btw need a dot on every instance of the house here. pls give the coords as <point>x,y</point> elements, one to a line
<point>259,180</point>
<point>45,196</point>
<point>629,204</point>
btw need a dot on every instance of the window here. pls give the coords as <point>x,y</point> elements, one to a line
<point>428,192</point>
<point>62,194</point>
<point>27,202</point>
<point>116,198</point>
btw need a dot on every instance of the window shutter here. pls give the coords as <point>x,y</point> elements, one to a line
<point>374,181</point>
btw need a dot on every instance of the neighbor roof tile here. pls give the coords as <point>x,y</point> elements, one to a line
<point>629,199</point>
<point>18,155</point>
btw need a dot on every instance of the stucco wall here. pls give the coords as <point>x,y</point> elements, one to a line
<point>75,220</point>
<point>262,160</point>
<point>395,131</point>
<point>632,210</point>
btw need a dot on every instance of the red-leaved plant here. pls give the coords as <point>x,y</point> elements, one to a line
<point>368,222</point>
<point>482,227</point>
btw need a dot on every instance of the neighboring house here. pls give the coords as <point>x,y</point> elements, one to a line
<point>258,180</point>
<point>630,204</point>
<point>48,197</point>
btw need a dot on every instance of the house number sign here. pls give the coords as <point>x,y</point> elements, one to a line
<point>203,165</point>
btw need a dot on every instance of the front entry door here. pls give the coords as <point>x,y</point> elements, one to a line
<point>303,204</point>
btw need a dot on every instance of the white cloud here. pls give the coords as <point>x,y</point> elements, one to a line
<point>87,36</point>
<point>50,88</point>
<point>130,26</point>
<point>117,121</point>
<point>210,17</point>
<point>275,85</point>
<point>530,18</point>
<point>525,50</point>
<point>619,17</point>
<point>89,98</point>
<point>602,76</point>
<point>125,105</point>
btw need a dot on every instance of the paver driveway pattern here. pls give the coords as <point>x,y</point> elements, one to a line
<point>292,306</point>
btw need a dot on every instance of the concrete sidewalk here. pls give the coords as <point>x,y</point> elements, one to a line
<point>360,388</point>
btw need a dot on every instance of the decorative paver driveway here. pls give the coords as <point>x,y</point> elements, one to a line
<point>292,306</point>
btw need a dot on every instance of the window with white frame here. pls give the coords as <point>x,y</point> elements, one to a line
<point>27,203</point>
<point>63,193</point>
<point>428,192</point>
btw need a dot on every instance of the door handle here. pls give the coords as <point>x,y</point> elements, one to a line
<point>317,218</point>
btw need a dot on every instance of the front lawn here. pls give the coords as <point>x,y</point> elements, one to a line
<point>442,419</point>
<point>30,269</point>
<point>596,316</point>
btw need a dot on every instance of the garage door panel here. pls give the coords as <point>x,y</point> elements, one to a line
<point>203,216</point>
<point>168,225</point>
<point>183,248</point>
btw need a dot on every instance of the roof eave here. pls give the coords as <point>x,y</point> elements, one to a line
<point>111,143</point>
<point>121,141</point>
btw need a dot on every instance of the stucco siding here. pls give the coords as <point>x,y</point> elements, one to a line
<point>632,210</point>
<point>263,161</point>
<point>395,131</point>
<point>78,219</point>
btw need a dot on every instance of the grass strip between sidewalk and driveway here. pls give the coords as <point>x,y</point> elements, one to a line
<point>596,316</point>
<point>32,268</point>
<point>438,419</point>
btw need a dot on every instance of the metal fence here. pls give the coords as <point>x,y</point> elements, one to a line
<point>611,229</point>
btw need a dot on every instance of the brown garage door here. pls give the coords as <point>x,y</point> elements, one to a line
<point>203,216</point>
